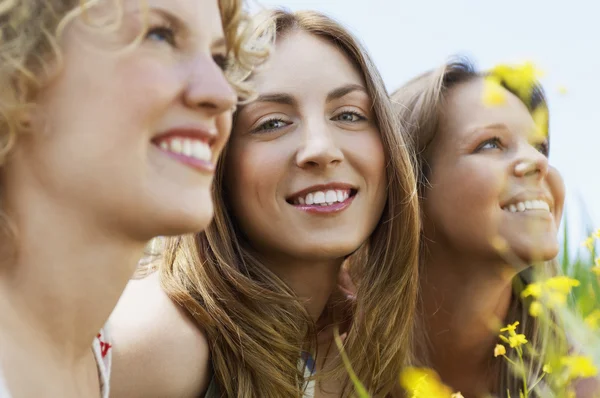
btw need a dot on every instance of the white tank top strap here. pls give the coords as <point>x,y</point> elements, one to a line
<point>102,348</point>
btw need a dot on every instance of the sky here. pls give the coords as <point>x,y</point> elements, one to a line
<point>407,37</point>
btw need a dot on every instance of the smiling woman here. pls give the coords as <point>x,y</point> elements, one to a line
<point>491,206</point>
<point>315,174</point>
<point>95,96</point>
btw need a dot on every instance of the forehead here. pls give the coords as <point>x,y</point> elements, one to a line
<point>303,63</point>
<point>464,111</point>
<point>198,15</point>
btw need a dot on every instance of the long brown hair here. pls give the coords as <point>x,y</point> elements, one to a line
<point>255,324</point>
<point>419,104</point>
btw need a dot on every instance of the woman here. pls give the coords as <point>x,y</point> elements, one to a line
<point>111,121</point>
<point>315,173</point>
<point>484,183</point>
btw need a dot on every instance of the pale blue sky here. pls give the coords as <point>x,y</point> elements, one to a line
<point>406,37</point>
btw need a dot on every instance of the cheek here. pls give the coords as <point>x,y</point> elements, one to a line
<point>556,186</point>
<point>366,153</point>
<point>465,195</point>
<point>253,171</point>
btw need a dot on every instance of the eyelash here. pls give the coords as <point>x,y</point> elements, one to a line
<point>353,113</point>
<point>494,140</point>
<point>221,61</point>
<point>164,30</point>
<point>261,128</point>
<point>541,147</point>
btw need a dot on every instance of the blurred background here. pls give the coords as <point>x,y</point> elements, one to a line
<point>562,38</point>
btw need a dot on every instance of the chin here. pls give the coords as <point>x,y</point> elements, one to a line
<point>178,219</point>
<point>542,251</point>
<point>325,250</point>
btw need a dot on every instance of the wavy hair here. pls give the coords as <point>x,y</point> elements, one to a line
<point>420,104</point>
<point>256,325</point>
<point>30,33</point>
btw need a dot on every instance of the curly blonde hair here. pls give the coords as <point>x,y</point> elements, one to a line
<point>30,32</point>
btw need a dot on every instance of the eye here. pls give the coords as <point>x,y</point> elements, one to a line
<point>221,61</point>
<point>543,147</point>
<point>493,143</point>
<point>349,117</point>
<point>271,125</point>
<point>162,33</point>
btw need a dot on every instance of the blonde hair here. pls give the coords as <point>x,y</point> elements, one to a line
<point>256,326</point>
<point>419,105</point>
<point>30,32</point>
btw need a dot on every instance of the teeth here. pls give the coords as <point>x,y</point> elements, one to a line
<point>324,198</point>
<point>201,151</point>
<point>319,197</point>
<point>176,145</point>
<point>310,199</point>
<point>528,205</point>
<point>331,197</point>
<point>188,147</point>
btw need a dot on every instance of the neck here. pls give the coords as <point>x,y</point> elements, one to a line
<point>464,302</point>
<point>65,278</point>
<point>313,280</point>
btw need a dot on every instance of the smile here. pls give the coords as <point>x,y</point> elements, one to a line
<point>189,146</point>
<point>323,199</point>
<point>527,205</point>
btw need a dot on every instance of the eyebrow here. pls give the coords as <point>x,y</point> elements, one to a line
<point>277,98</point>
<point>286,99</point>
<point>344,90</point>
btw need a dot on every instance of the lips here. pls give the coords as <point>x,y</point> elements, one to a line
<point>322,195</point>
<point>190,146</point>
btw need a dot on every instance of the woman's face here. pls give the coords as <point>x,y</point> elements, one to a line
<point>490,178</point>
<point>127,137</point>
<point>305,168</point>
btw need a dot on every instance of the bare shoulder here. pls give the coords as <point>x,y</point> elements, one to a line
<point>158,350</point>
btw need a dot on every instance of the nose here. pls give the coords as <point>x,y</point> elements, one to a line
<point>207,88</point>
<point>531,162</point>
<point>318,148</point>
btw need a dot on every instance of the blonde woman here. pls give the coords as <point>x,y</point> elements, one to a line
<point>483,177</point>
<point>315,173</point>
<point>97,98</point>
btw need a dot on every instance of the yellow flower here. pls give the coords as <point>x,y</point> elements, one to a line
<point>593,319</point>
<point>535,309</point>
<point>517,340</point>
<point>457,395</point>
<point>562,284</point>
<point>499,350</point>
<point>589,243</point>
<point>596,269</point>
<point>510,328</point>
<point>547,369</point>
<point>493,93</point>
<point>596,234</point>
<point>520,79</point>
<point>423,383</point>
<point>562,90</point>
<point>579,366</point>
<point>533,290</point>
<point>556,299</point>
